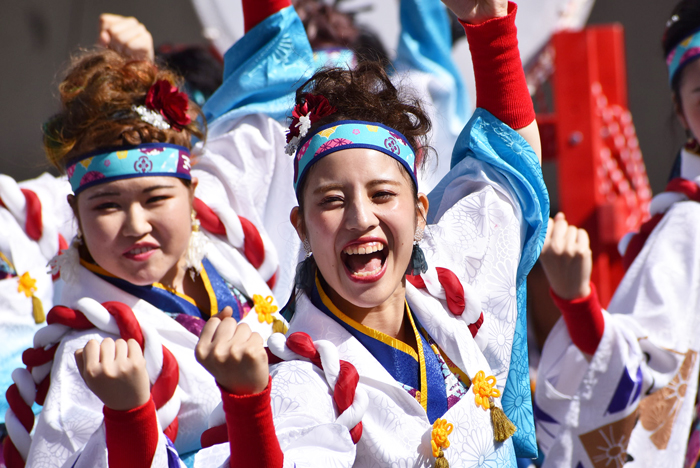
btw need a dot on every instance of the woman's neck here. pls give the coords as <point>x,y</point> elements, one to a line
<point>388,317</point>
<point>176,277</point>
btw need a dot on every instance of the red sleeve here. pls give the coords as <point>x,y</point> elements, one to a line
<point>132,436</point>
<point>251,432</point>
<point>255,11</point>
<point>500,80</point>
<point>584,320</point>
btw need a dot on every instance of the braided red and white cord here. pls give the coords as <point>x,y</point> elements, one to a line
<point>241,234</point>
<point>25,206</point>
<point>32,384</point>
<point>461,299</point>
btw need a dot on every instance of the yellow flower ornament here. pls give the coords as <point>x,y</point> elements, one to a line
<point>264,308</point>
<point>484,389</point>
<point>27,285</point>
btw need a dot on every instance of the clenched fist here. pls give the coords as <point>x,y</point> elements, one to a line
<point>126,36</point>
<point>567,259</point>
<point>115,371</point>
<point>234,355</point>
<point>477,11</point>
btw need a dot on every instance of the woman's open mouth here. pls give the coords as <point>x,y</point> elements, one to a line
<point>365,261</point>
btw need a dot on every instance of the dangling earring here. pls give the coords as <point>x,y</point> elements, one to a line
<point>692,145</point>
<point>79,236</point>
<point>418,264</point>
<point>307,247</point>
<point>196,249</point>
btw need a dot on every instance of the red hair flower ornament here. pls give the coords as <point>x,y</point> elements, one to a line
<point>166,101</point>
<point>304,115</point>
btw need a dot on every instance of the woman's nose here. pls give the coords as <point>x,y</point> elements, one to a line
<point>136,223</point>
<point>359,215</point>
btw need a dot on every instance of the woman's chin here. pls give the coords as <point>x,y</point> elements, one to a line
<point>367,294</point>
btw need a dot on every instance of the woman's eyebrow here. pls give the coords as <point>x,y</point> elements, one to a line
<point>382,182</point>
<point>104,194</point>
<point>327,187</point>
<point>156,187</point>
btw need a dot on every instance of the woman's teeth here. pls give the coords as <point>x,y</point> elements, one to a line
<point>366,273</point>
<point>139,250</point>
<point>363,249</point>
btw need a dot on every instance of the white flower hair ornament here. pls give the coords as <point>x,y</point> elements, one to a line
<point>304,115</point>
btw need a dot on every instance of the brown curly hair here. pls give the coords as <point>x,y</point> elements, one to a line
<point>96,98</point>
<point>367,93</point>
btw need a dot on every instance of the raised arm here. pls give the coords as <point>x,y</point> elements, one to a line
<point>500,80</point>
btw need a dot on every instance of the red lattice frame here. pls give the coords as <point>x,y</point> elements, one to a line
<point>587,129</point>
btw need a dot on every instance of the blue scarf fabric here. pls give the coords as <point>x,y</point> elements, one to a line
<point>220,295</point>
<point>421,371</point>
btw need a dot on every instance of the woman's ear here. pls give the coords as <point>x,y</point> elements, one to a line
<point>73,203</point>
<point>422,210</point>
<point>678,109</point>
<point>193,187</point>
<point>295,217</point>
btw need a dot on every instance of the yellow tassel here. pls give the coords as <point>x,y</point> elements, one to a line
<point>441,461</point>
<point>278,326</point>
<point>503,428</point>
<point>38,310</point>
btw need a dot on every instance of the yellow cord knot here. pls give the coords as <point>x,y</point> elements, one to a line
<point>264,308</point>
<point>484,389</point>
<point>27,285</point>
<point>441,429</point>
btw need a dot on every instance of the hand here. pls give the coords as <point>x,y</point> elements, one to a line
<point>477,11</point>
<point>234,355</point>
<point>115,372</point>
<point>567,259</point>
<point>126,36</point>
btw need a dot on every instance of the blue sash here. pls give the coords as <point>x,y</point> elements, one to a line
<point>168,300</point>
<point>421,371</point>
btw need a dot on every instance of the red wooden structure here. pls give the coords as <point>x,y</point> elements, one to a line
<point>587,129</point>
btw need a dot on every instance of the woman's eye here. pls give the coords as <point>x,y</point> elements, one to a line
<point>381,195</point>
<point>157,199</point>
<point>106,206</point>
<point>331,200</point>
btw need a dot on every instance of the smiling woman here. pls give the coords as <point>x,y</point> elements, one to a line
<point>151,262</point>
<point>406,341</point>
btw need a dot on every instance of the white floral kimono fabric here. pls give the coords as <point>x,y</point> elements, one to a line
<point>632,403</point>
<point>482,229</point>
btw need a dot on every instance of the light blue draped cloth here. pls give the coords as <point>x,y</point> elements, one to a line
<point>425,44</point>
<point>490,141</point>
<point>262,71</point>
<point>264,68</point>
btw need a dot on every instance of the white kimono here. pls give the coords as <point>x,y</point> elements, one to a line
<point>632,404</point>
<point>478,231</point>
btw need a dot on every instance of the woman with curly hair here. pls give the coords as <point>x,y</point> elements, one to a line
<point>406,342</point>
<point>166,239</point>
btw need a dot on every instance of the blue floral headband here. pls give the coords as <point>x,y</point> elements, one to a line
<point>684,53</point>
<point>107,165</point>
<point>346,134</point>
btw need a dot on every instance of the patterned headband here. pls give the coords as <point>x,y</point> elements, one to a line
<point>346,134</point>
<point>684,53</point>
<point>107,165</point>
